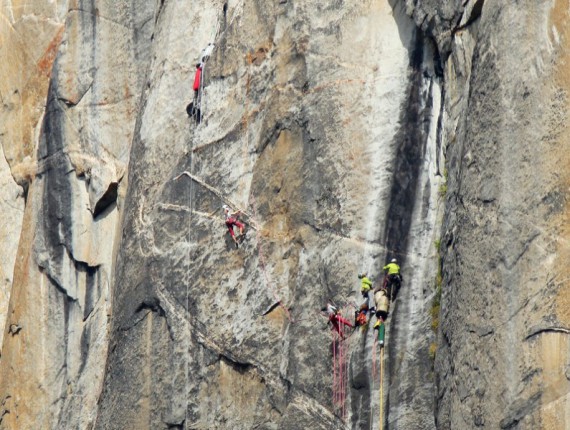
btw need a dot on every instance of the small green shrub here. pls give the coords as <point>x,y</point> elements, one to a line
<point>432,351</point>
<point>437,244</point>
<point>435,318</point>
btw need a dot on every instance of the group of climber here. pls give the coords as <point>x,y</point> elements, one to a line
<point>378,304</point>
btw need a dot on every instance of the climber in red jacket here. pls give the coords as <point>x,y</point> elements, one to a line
<point>335,318</point>
<point>197,79</point>
<point>231,220</point>
<point>193,109</point>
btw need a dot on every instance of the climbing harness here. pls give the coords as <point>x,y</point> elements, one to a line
<point>391,285</point>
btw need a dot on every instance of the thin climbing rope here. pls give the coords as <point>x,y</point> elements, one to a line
<point>344,381</point>
<point>337,371</point>
<point>381,419</point>
<point>197,111</point>
<point>340,371</point>
<point>338,387</point>
<point>373,376</point>
<point>334,386</point>
<point>188,260</point>
<point>341,374</point>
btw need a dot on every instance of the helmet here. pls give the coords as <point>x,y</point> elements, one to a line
<point>393,260</point>
<point>224,207</point>
<point>361,275</point>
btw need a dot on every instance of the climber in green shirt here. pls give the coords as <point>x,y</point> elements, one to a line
<point>365,287</point>
<point>392,267</point>
<point>365,284</point>
<point>392,279</point>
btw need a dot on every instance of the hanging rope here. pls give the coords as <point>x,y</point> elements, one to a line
<point>340,368</point>
<point>341,372</point>
<point>373,374</point>
<point>381,422</point>
<point>337,369</point>
<point>335,364</point>
<point>188,260</point>
<point>343,380</point>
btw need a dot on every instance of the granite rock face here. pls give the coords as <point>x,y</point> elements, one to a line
<point>348,134</point>
<point>305,131</point>
<point>80,62</point>
<point>503,350</point>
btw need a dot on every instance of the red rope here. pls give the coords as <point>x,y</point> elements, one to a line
<point>334,388</point>
<point>344,380</point>
<point>340,373</point>
<point>340,366</point>
<point>339,382</point>
<point>343,377</point>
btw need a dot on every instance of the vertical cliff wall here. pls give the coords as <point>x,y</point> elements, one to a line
<point>503,358</point>
<point>348,134</point>
<point>304,127</point>
<point>83,63</point>
<point>30,36</point>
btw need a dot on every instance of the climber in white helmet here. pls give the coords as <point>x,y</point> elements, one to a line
<point>393,278</point>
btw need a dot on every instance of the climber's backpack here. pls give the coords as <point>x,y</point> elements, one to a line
<point>361,319</point>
